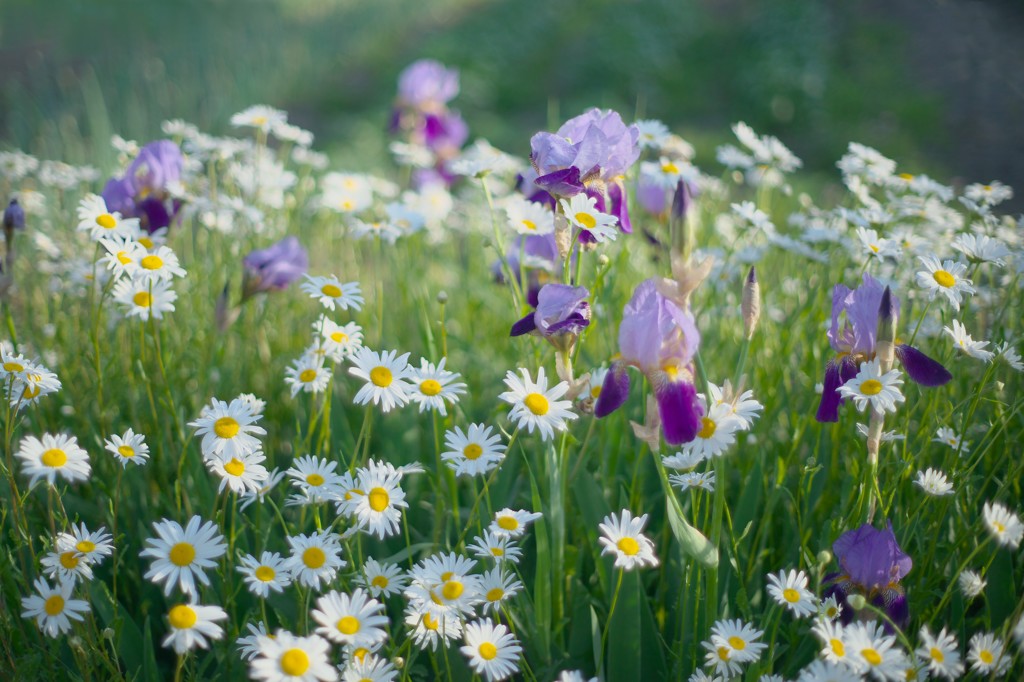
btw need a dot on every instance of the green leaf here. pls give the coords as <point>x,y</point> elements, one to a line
<point>128,637</point>
<point>542,579</point>
<point>624,650</point>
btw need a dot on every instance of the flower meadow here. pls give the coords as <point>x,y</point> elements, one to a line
<point>592,408</point>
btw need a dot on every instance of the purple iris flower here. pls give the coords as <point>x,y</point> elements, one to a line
<point>854,343</point>
<point>427,82</point>
<point>660,339</point>
<point>143,191</point>
<point>872,565</point>
<point>14,216</point>
<point>275,267</point>
<point>561,311</point>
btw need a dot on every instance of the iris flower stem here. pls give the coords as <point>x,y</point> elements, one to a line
<point>517,292</point>
<point>611,612</point>
<point>924,313</point>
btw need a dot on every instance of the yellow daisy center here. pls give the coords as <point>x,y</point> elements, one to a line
<point>429,623</point>
<point>497,551</point>
<point>723,653</point>
<point>452,590</point>
<point>871,656</point>
<point>152,262</point>
<point>126,451</point>
<point>495,593</point>
<point>30,391</point>
<point>595,392</point>
<point>315,480</point>
<point>182,554</point>
<point>707,428</point>
<point>314,557</point>
<point>837,647</point>
<point>146,241</point>
<point>669,167</point>
<point>508,523</point>
<point>294,662</point>
<point>430,387</point>
<point>381,376</point>
<point>14,367</point>
<point>380,582</point>
<point>106,221</point>
<point>871,387</point>
<point>488,651</point>
<point>791,595</point>
<point>54,458</point>
<point>536,403</point>
<point>307,375</point>
<point>235,467</point>
<point>586,221</point>
<point>339,337</point>
<point>182,617</point>
<point>986,657</point>
<point>943,278</point>
<point>142,299</point>
<point>360,654</point>
<point>737,643</point>
<point>226,427</point>
<point>265,574</point>
<point>348,625</point>
<point>54,605</point>
<point>259,120</point>
<point>907,176</point>
<point>1000,528</point>
<point>85,546</point>
<point>936,655</point>
<point>628,546</point>
<point>529,225</point>
<point>330,290</point>
<point>68,560</point>
<point>472,451</point>
<point>379,499</point>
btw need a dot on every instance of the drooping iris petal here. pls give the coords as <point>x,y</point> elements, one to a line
<point>828,408</point>
<point>680,411</point>
<point>619,206</point>
<point>614,390</point>
<point>871,557</point>
<point>921,368</point>
<point>565,182</point>
<point>523,326</point>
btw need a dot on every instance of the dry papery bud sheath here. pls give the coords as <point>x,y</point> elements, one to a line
<point>751,305</point>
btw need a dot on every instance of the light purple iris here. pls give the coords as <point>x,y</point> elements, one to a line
<point>872,565</point>
<point>855,339</point>
<point>275,267</point>
<point>561,310</point>
<point>660,339</point>
<point>142,192</point>
<point>426,82</point>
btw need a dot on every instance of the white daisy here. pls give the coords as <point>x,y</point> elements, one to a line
<point>528,217</point>
<point>622,536</point>
<point>338,340</point>
<point>946,278</point>
<point>315,477</point>
<point>1010,354</point>
<point>581,211</point>
<point>872,651</point>
<point>981,248</point>
<point>379,229</point>
<point>834,640</point>
<point>941,653</point>
<point>129,447</point>
<point>934,482</point>
<point>732,644</point>
<point>475,452</point>
<point>829,609</point>
<point>988,655</point>
<point>872,387</point>
<point>52,607</point>
<point>248,645</point>
<point>386,374</point>
<point>66,566</point>
<point>433,385</point>
<point>99,222</point>
<point>242,473</point>
<point>826,671</point>
<point>269,572</point>
<point>885,437</point>
<point>653,133</point>
<point>122,255</point>
<point>307,375</point>
<point>491,649</point>
<point>356,621</point>
<point>51,456</point>
<point>1003,524</point>
<point>971,583</point>
<point>30,386</point>
<point>963,341</point>
<point>378,511</point>
<point>181,555</point>
<point>877,247</point>
<point>427,629</point>
<point>744,407</point>
<point>717,432</point>
<point>535,406</point>
<point>370,669</point>
<point>947,436</point>
<point>443,583</point>
<point>381,579</point>
<point>259,116</point>
<point>497,546</point>
<point>684,460</point>
<point>192,625</point>
<point>228,430</point>
<point>315,558</point>
<point>513,522</point>
<point>496,587</point>
<point>89,546</point>
<point>285,657</point>
<point>704,480</point>
<point>790,590</point>
<point>160,265</point>
<point>991,194</point>
<point>332,293</point>
<point>142,299</point>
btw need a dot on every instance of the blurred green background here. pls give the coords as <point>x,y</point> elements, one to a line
<point>937,85</point>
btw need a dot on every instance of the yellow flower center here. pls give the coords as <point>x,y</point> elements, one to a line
<point>381,376</point>
<point>494,594</point>
<point>182,554</point>
<point>488,651</point>
<point>259,121</point>
<point>707,428</point>
<point>85,546</point>
<point>146,241</point>
<point>142,299</point>
<point>235,467</point>
<point>536,403</point>
<point>315,480</point>
<point>379,499</point>
<point>360,654</point>
<point>348,625</point>
<point>330,290</point>
<point>791,595</point>
<point>472,451</point>
<point>68,560</point>
<point>871,387</point>
<point>497,551</point>
<point>265,574</point>
<point>723,653</point>
<point>452,590</point>
<point>54,605</point>
<point>294,662</point>
<point>152,262</point>
<point>508,523</point>
<point>182,617</point>
<point>30,391</point>
<point>737,643</point>
<point>106,221</point>
<point>669,167</point>
<point>936,655</point>
<point>1000,528</point>
<point>906,176</point>
<point>943,278</point>
<point>126,451</point>
<point>529,225</point>
<point>628,546</point>
<point>586,220</point>
<point>429,623</point>
<point>871,656</point>
<point>837,648</point>
<point>595,392</point>
<point>314,557</point>
<point>14,367</point>
<point>430,387</point>
<point>339,337</point>
<point>986,657</point>
<point>54,458</point>
<point>380,582</point>
<point>307,375</point>
<point>226,427</point>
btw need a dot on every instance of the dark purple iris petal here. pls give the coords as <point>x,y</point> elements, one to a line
<point>565,182</point>
<point>921,368</point>
<point>614,391</point>
<point>620,209</point>
<point>523,326</point>
<point>828,408</point>
<point>680,411</point>
<point>275,267</point>
<point>871,557</point>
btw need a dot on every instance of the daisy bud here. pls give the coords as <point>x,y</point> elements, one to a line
<point>442,297</point>
<point>824,557</point>
<point>680,227</point>
<point>887,317</point>
<point>856,601</point>
<point>751,306</point>
<point>603,260</point>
